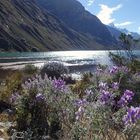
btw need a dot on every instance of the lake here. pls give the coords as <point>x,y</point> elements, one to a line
<point>76,60</point>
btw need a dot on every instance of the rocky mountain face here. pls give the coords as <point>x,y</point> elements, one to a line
<point>74,15</point>
<point>25,26</point>
<point>114,31</point>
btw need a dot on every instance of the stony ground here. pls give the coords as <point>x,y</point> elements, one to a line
<point>4,126</point>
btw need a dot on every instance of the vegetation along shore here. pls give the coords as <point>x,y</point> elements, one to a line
<point>47,103</point>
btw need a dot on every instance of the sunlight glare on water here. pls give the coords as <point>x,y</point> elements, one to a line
<point>69,58</point>
<point>78,54</point>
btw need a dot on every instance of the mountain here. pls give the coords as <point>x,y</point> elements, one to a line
<point>133,34</point>
<point>26,26</point>
<point>116,32</point>
<point>74,15</point>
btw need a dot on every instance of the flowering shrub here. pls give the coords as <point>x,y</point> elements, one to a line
<point>126,98</point>
<point>43,105</point>
<point>132,116</point>
<point>104,110</point>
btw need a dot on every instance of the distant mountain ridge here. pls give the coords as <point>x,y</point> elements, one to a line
<point>116,32</point>
<point>133,34</point>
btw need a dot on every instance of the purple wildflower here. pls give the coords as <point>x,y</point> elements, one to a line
<point>114,69</point>
<point>105,97</point>
<point>99,70</point>
<point>126,98</point>
<point>115,85</point>
<point>40,97</point>
<point>79,112</point>
<point>128,94</point>
<point>80,102</point>
<point>133,114</point>
<point>14,97</point>
<point>88,92</point>
<point>59,85</point>
<point>103,86</point>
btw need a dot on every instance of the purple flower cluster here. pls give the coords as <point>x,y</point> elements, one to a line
<point>37,83</point>
<point>79,113</point>
<point>115,85</point>
<point>132,116</point>
<point>105,97</point>
<point>14,97</point>
<point>99,70</point>
<point>103,86</point>
<point>89,92</point>
<point>114,69</point>
<point>59,85</point>
<point>40,97</point>
<point>126,98</point>
<point>80,102</point>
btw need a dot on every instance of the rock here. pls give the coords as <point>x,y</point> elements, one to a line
<point>1,132</point>
<point>9,112</point>
<point>4,106</point>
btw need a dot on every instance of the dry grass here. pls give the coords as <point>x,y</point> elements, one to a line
<point>5,73</point>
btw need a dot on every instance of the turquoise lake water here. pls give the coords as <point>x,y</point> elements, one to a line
<point>70,58</point>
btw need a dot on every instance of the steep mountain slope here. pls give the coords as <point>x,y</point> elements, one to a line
<point>25,27</point>
<point>75,16</point>
<point>114,31</point>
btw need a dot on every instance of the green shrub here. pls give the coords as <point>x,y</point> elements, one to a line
<point>54,69</point>
<point>11,84</point>
<point>30,69</point>
<point>119,60</point>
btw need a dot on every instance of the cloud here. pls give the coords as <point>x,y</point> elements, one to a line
<point>123,24</point>
<point>139,28</point>
<point>90,2</point>
<point>105,15</point>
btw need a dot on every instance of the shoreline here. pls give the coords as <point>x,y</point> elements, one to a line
<point>72,67</point>
<point>75,71</point>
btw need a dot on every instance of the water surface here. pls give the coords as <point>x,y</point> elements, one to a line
<point>82,59</point>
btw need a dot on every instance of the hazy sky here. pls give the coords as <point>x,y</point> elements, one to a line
<point>123,13</point>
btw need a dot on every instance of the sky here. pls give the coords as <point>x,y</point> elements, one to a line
<point>123,13</point>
